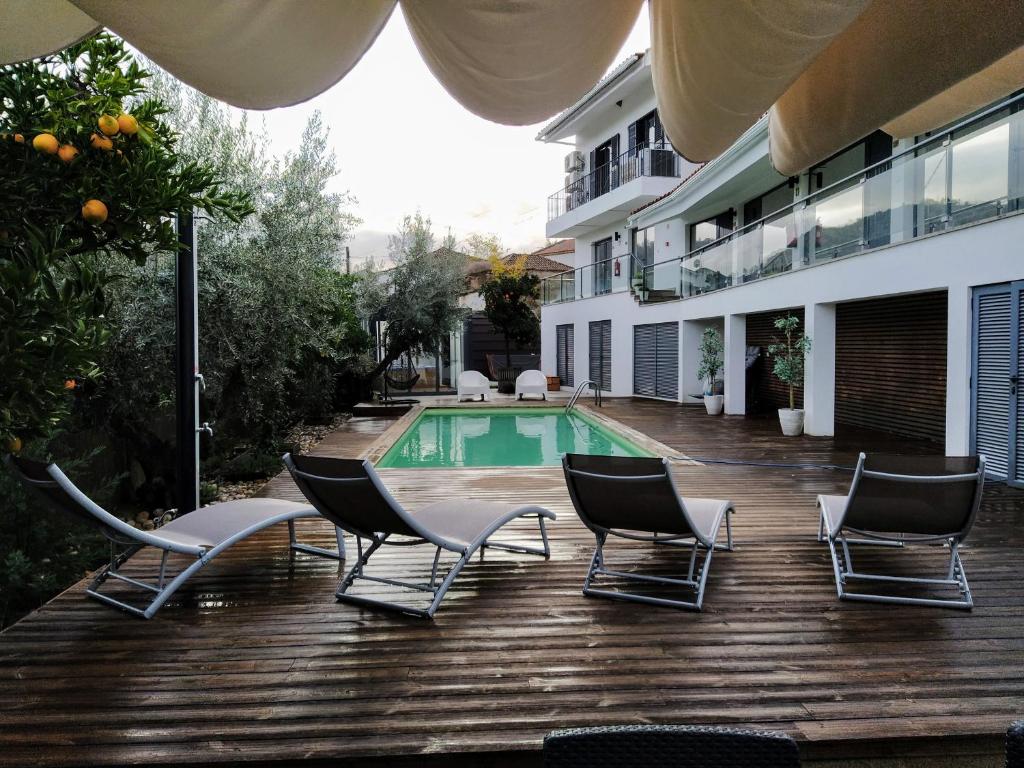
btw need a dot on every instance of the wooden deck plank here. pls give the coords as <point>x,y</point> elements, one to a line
<point>255,663</point>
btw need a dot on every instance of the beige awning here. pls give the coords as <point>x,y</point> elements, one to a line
<point>828,71</point>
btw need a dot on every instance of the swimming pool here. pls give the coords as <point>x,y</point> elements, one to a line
<point>502,437</point>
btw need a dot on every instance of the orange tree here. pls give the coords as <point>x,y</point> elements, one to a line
<point>87,170</point>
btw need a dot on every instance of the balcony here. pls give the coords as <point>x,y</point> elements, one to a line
<point>965,175</point>
<point>609,193</point>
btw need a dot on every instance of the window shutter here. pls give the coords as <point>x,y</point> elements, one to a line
<point>564,352</point>
<point>632,137</point>
<point>667,384</point>
<point>645,360</point>
<point>601,353</point>
<point>659,132</point>
<point>656,360</point>
<point>992,376</point>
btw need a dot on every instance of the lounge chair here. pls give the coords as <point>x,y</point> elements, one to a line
<point>350,494</point>
<point>473,383</point>
<point>897,500</point>
<point>635,498</point>
<point>531,383</point>
<point>669,746</point>
<point>202,534</point>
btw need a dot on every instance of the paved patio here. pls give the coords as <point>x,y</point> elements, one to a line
<point>255,663</point>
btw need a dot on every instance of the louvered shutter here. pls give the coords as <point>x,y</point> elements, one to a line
<point>659,132</point>
<point>645,360</point>
<point>656,360</point>
<point>667,336</point>
<point>632,136</point>
<point>601,353</point>
<point>991,378</point>
<point>564,352</point>
<point>1016,436</point>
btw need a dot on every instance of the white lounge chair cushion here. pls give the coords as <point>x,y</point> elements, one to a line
<point>462,521</point>
<point>209,526</point>
<point>832,508</point>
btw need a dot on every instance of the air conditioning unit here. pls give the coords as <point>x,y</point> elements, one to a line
<point>574,161</point>
<point>568,180</point>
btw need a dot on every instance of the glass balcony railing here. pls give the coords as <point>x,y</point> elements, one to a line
<point>655,159</point>
<point>970,173</point>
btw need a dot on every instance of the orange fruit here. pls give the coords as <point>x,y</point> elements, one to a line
<point>127,124</point>
<point>100,142</point>
<point>70,384</point>
<point>46,143</point>
<point>67,153</point>
<point>19,138</point>
<point>14,444</point>
<point>94,212</point>
<point>108,125</point>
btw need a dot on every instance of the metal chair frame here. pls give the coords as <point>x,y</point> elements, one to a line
<point>696,578</point>
<point>436,589</point>
<point>842,557</point>
<point>126,541</point>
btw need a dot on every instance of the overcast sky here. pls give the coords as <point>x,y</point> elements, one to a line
<point>404,144</point>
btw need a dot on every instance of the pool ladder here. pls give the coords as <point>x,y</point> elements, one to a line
<point>579,391</point>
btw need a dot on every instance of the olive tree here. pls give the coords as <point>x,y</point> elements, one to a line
<point>417,300</point>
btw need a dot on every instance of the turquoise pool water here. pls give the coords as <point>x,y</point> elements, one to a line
<point>502,437</point>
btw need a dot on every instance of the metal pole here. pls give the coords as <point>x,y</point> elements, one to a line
<point>186,381</point>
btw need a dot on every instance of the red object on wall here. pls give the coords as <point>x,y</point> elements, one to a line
<point>617,268</point>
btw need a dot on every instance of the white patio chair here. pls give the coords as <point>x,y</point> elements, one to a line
<point>531,383</point>
<point>473,383</point>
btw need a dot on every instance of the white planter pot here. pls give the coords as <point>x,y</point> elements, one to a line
<point>792,421</point>
<point>714,404</point>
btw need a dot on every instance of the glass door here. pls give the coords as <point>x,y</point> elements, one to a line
<point>602,266</point>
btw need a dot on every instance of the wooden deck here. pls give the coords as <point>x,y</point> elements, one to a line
<point>255,663</point>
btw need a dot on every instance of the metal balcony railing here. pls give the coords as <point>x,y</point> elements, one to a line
<point>966,174</point>
<point>649,159</point>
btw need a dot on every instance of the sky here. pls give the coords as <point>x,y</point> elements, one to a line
<point>403,144</point>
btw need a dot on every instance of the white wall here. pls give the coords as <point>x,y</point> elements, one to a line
<point>955,261</point>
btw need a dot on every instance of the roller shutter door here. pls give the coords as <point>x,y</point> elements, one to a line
<point>891,365</point>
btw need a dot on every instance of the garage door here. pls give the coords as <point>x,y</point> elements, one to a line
<point>656,360</point>
<point>891,365</point>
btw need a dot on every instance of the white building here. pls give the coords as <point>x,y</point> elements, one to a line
<point>904,260</point>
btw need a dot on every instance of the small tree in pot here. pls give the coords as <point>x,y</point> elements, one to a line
<point>711,362</point>
<point>788,367</point>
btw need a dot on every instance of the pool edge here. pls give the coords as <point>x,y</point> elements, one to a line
<point>376,451</point>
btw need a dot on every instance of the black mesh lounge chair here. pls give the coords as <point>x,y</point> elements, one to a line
<point>202,534</point>
<point>668,746</point>
<point>1015,745</point>
<point>635,498</point>
<point>350,494</point>
<point>897,500</point>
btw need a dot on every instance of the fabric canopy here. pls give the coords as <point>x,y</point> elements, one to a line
<point>828,71</point>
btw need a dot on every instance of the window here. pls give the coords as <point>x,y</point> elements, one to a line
<point>643,245</point>
<point>646,131</point>
<point>771,201</point>
<point>706,232</point>
<point>602,281</point>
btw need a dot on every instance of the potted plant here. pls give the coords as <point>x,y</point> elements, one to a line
<point>789,369</point>
<point>711,351</point>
